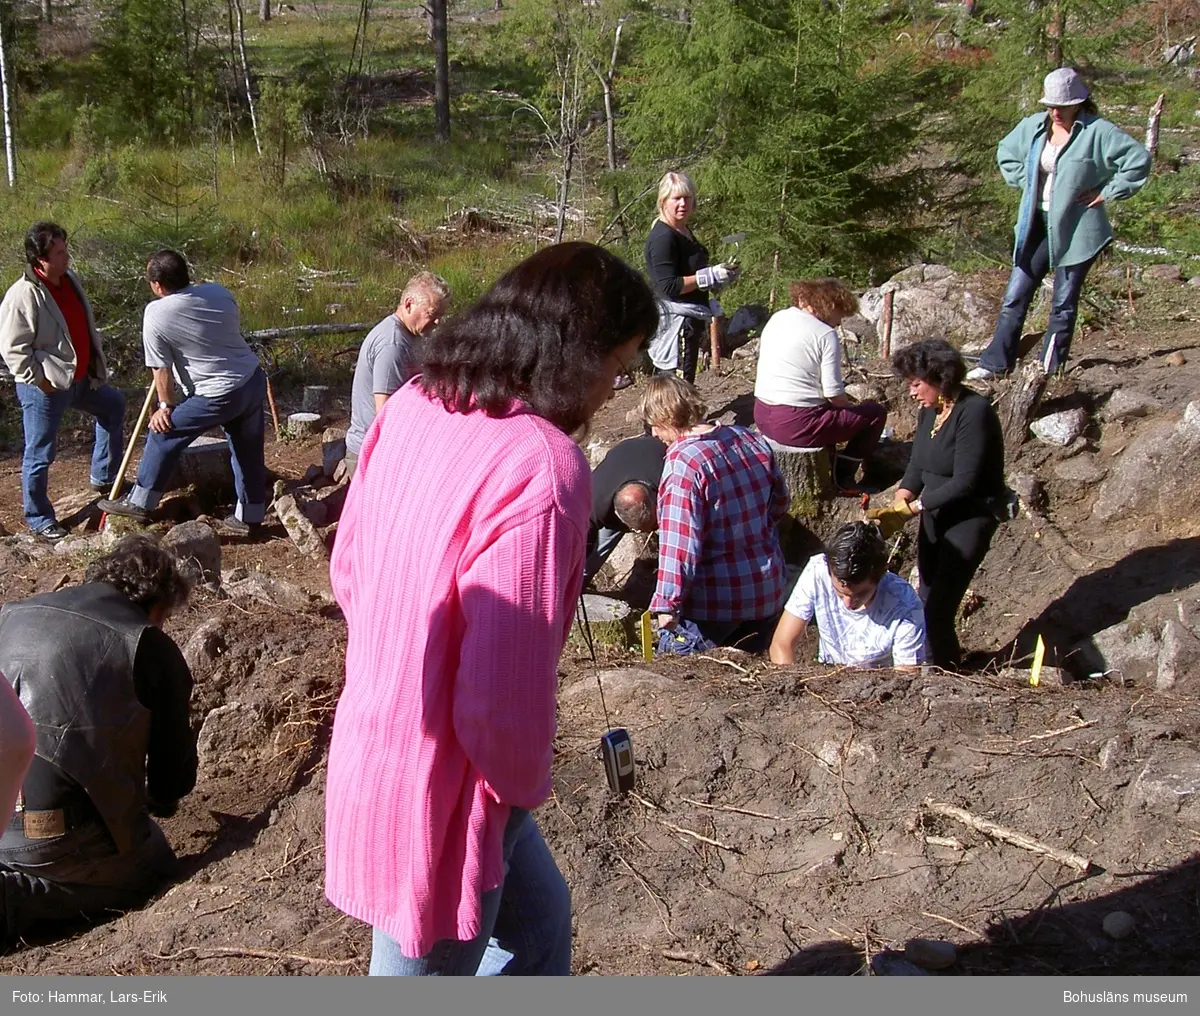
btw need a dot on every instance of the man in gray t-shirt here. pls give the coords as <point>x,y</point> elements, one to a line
<point>387,358</point>
<point>192,339</point>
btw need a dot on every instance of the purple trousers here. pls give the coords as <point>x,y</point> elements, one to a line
<point>824,426</point>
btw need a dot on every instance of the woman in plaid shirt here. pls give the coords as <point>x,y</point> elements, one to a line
<point>721,497</point>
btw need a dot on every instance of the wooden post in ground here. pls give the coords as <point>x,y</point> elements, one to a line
<point>885,324</point>
<point>714,339</point>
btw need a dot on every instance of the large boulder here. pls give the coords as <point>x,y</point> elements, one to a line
<point>933,300</point>
<point>1154,473</point>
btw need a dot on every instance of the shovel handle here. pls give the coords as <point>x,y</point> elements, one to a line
<point>137,429</point>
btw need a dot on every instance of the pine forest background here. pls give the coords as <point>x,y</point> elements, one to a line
<point>312,155</point>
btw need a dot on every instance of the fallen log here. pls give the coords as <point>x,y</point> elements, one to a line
<point>266,334</point>
<point>1012,836</point>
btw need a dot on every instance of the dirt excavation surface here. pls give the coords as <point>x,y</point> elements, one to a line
<point>784,821</point>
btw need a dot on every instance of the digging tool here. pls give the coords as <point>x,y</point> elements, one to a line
<point>735,239</point>
<point>137,429</point>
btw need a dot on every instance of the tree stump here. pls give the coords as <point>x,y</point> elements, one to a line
<point>1023,399</point>
<point>205,464</point>
<point>808,473</point>
<point>315,399</point>
<point>612,622</point>
<point>303,424</point>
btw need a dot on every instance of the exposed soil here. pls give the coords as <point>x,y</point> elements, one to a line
<point>777,824</point>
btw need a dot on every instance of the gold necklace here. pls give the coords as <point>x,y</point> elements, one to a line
<point>941,418</point>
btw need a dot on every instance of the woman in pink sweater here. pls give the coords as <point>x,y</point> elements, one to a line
<point>458,563</point>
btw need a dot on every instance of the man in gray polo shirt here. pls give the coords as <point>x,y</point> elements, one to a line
<point>387,358</point>
<point>192,337</point>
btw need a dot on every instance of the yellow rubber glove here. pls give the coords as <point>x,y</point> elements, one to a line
<point>891,519</point>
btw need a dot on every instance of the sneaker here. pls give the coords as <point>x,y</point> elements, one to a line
<point>982,374</point>
<point>123,507</point>
<point>621,381</point>
<point>52,533</point>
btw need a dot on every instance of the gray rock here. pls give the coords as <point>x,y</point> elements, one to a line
<point>224,735</point>
<point>933,300</point>
<point>333,449</point>
<point>1178,655</point>
<point>864,392</point>
<point>71,509</point>
<point>632,549</point>
<point>203,647</point>
<point>1125,651</point>
<point>198,550</point>
<point>1155,467</point>
<point>1082,469</point>
<point>1163,273</point>
<point>1118,924</point>
<point>747,352</point>
<point>82,543</point>
<point>333,499</point>
<point>301,531</point>
<point>892,964</point>
<point>1169,782</point>
<point>1115,749</point>
<point>1060,428</point>
<point>595,452</point>
<point>314,510</point>
<point>1029,489</point>
<point>932,954</point>
<point>257,586</point>
<point>1194,281</point>
<point>1124,404</point>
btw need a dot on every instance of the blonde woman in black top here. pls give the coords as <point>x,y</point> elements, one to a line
<point>954,481</point>
<point>677,264</point>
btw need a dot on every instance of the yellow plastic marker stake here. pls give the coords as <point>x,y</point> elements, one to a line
<point>1039,654</point>
<point>647,639</point>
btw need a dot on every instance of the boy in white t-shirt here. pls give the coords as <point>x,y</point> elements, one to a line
<point>866,615</point>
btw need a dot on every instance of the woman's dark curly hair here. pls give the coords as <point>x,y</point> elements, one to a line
<point>857,553</point>
<point>934,361</point>
<point>541,334</point>
<point>144,572</point>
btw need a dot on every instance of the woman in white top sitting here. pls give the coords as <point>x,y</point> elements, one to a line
<point>799,398</point>
<point>866,615</point>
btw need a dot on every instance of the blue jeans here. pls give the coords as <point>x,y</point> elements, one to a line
<point>41,416</point>
<point>526,921</point>
<point>240,412</point>
<point>1032,265</point>
<point>606,543</point>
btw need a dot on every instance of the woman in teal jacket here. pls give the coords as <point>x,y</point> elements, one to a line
<point>1068,163</point>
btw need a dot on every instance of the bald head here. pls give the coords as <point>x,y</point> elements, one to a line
<point>635,504</point>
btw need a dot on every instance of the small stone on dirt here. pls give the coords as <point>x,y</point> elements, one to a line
<point>1118,924</point>
<point>1083,469</point>
<point>1163,273</point>
<point>1176,359</point>
<point>1060,428</point>
<point>1124,404</point>
<point>892,964</point>
<point>930,953</point>
<point>204,646</point>
<point>1194,281</point>
<point>198,550</point>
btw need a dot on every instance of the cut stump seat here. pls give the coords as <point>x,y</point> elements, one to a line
<point>205,464</point>
<point>808,473</point>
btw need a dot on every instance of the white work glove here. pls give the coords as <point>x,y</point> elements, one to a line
<point>715,276</point>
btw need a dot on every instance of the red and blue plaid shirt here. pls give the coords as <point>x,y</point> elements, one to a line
<point>719,501</point>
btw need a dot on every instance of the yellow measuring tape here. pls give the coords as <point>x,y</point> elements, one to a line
<point>647,638</point>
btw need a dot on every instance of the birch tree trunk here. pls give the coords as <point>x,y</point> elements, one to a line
<point>241,24</point>
<point>47,13</point>
<point>10,155</point>
<point>264,10</point>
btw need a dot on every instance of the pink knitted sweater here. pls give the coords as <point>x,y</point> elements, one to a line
<point>458,562</point>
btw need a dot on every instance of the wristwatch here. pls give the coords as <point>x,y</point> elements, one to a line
<point>165,405</point>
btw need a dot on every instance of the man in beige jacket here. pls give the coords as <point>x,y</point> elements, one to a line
<point>48,339</point>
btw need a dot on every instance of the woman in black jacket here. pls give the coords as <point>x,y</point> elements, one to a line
<point>677,264</point>
<point>954,480</point>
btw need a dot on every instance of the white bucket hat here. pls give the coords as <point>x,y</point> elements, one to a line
<point>1063,87</point>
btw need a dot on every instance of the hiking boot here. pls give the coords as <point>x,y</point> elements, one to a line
<point>231,525</point>
<point>52,533</point>
<point>621,381</point>
<point>123,507</point>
